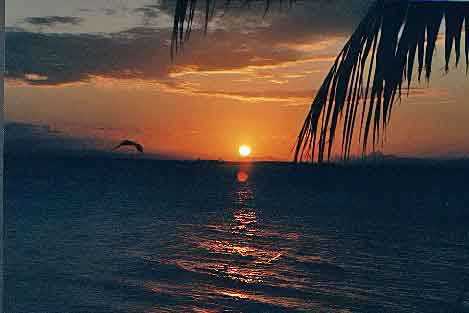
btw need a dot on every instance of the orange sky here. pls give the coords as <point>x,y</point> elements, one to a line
<point>229,88</point>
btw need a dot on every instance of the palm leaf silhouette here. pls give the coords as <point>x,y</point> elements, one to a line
<point>368,75</point>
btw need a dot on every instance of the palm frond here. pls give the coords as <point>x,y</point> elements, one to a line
<point>186,9</point>
<point>367,77</point>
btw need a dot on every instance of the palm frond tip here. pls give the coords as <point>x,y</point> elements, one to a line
<point>186,9</point>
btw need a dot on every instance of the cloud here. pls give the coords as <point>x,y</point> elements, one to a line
<point>148,11</point>
<point>51,21</point>
<point>109,11</point>
<point>301,96</point>
<point>67,58</point>
<point>136,53</point>
<point>22,139</point>
<point>38,140</point>
<point>237,43</point>
<point>252,70</point>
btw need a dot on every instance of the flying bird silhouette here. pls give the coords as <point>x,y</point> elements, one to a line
<point>134,144</point>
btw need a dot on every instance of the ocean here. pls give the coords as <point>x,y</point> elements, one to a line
<point>129,235</point>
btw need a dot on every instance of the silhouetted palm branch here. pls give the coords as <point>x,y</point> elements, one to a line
<point>368,74</point>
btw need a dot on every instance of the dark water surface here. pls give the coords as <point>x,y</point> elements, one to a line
<point>148,236</point>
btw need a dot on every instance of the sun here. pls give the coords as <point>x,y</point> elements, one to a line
<point>244,151</point>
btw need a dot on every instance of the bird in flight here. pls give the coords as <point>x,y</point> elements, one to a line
<point>134,144</point>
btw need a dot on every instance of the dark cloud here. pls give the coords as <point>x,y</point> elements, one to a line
<point>10,29</point>
<point>143,53</point>
<point>28,139</point>
<point>67,58</point>
<point>235,41</point>
<point>51,21</point>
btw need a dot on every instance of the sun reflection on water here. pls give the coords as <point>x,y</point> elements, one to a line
<point>237,248</point>
<point>242,176</point>
<point>237,257</point>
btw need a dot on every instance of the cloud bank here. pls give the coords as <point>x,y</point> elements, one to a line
<point>143,52</point>
<point>51,21</point>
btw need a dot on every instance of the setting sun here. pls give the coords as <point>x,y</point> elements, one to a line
<point>244,150</point>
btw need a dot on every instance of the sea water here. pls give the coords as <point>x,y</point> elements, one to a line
<point>126,235</point>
